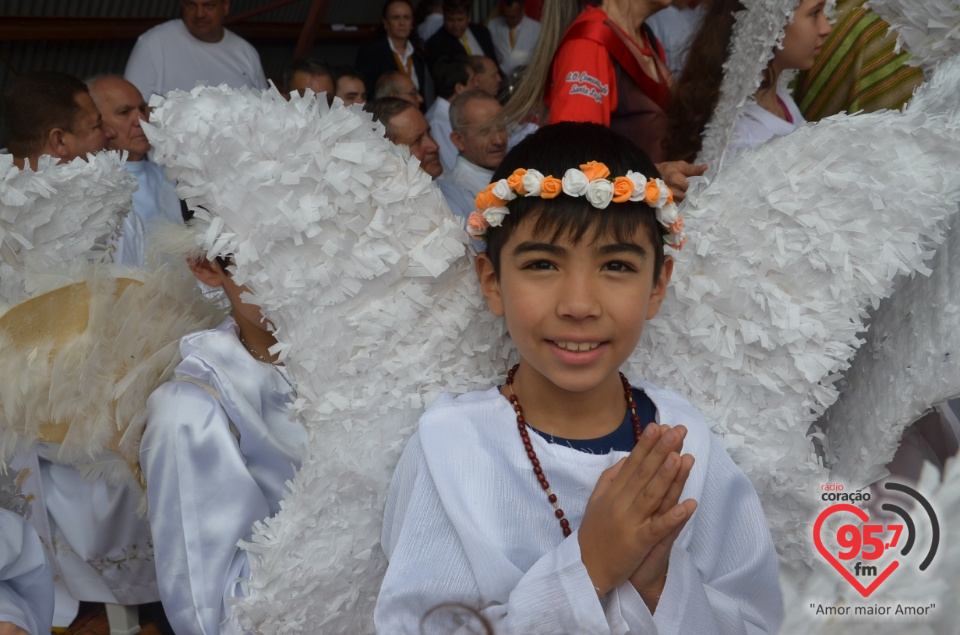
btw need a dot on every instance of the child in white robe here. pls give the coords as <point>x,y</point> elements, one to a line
<point>221,441</point>
<point>771,111</point>
<point>559,502</point>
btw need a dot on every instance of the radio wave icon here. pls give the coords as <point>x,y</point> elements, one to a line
<point>908,521</point>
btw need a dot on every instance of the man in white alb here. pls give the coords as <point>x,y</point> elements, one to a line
<point>196,48</point>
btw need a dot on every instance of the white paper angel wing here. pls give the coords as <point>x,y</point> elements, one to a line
<point>58,215</point>
<point>788,247</point>
<point>909,362</point>
<point>351,252</point>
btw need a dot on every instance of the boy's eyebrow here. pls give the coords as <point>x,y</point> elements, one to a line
<point>615,248</point>
<point>551,248</point>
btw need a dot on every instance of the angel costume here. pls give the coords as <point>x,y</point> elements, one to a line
<point>454,534</point>
<point>26,583</point>
<point>757,124</point>
<point>220,443</point>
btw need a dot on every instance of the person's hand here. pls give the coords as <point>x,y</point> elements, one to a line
<point>8,628</point>
<point>619,527</point>
<point>651,576</point>
<point>676,174</point>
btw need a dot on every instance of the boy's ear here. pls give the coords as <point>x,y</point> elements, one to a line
<point>659,290</point>
<point>207,271</point>
<point>489,284</point>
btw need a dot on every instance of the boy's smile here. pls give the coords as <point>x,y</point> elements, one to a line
<point>574,311</point>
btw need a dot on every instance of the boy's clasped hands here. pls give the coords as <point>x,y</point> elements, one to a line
<point>634,515</point>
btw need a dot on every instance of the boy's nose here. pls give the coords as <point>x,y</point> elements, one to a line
<point>578,299</point>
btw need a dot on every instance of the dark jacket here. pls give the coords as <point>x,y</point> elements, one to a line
<point>442,44</point>
<point>376,58</point>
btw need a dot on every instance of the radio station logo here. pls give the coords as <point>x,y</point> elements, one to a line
<point>866,553</point>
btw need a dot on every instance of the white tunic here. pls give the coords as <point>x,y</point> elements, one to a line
<point>167,57</point>
<point>757,124</point>
<point>220,443</point>
<point>466,521</point>
<point>525,36</point>
<point>26,581</point>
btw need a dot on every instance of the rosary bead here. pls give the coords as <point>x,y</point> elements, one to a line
<point>532,455</point>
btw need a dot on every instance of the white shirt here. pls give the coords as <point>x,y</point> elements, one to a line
<point>407,54</point>
<point>220,443</point>
<point>525,34</point>
<point>756,124</point>
<point>467,522</point>
<point>438,116</point>
<point>156,199</point>
<point>470,178</point>
<point>475,48</point>
<point>167,57</point>
<point>675,28</point>
<point>461,186</point>
<point>431,24</point>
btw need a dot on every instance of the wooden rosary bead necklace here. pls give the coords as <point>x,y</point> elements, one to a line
<point>532,455</point>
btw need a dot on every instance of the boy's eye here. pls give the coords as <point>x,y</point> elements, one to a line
<point>539,265</point>
<point>619,265</point>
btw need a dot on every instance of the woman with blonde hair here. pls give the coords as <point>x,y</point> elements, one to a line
<point>603,65</point>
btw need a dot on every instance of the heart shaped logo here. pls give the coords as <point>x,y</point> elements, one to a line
<point>850,538</point>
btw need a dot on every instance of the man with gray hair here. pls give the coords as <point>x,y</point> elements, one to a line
<point>406,125</point>
<point>480,136</point>
<point>399,85</point>
<point>123,109</point>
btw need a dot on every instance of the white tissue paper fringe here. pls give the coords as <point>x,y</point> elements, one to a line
<point>350,251</point>
<point>56,225</point>
<point>787,249</point>
<point>52,217</point>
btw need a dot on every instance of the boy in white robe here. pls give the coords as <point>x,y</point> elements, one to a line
<point>221,441</point>
<point>548,504</point>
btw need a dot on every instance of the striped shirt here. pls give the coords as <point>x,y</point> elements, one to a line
<point>857,68</point>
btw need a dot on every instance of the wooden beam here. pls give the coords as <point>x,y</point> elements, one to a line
<point>44,29</point>
<point>311,26</point>
<point>270,6</point>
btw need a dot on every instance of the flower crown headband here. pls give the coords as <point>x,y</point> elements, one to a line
<point>593,181</point>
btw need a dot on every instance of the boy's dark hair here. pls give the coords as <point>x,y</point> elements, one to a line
<point>36,103</point>
<point>448,72</point>
<point>305,65</point>
<point>552,150</point>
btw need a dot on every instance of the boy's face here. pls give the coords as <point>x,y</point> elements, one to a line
<point>575,312</point>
